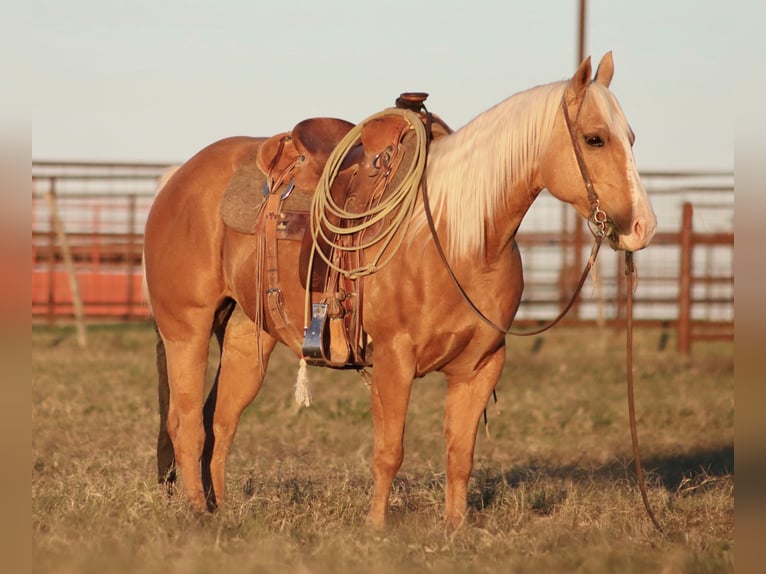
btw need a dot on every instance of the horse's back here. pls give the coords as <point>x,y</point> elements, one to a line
<point>186,209</point>
<point>203,177</point>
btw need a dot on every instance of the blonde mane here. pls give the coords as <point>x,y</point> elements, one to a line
<point>471,171</point>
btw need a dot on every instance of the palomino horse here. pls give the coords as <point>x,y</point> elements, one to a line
<point>570,137</point>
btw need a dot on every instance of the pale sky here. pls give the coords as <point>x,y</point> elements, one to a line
<point>157,80</point>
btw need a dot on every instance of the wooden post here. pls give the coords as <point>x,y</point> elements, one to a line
<point>69,264</point>
<point>578,237</point>
<point>685,281</point>
<point>581,33</point>
<point>563,283</point>
<point>95,239</point>
<point>51,312</point>
<point>131,266</point>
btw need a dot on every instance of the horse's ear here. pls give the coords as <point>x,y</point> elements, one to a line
<point>579,81</point>
<point>605,70</point>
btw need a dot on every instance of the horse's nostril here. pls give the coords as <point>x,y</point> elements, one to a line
<point>639,227</point>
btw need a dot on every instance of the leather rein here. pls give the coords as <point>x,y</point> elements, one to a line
<point>600,226</point>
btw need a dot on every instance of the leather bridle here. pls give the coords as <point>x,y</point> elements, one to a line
<point>600,223</point>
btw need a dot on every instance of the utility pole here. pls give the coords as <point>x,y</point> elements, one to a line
<point>581,36</point>
<point>572,226</point>
<point>578,239</point>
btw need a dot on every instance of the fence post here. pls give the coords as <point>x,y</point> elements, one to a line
<point>685,281</point>
<point>58,226</point>
<point>51,312</point>
<point>131,266</point>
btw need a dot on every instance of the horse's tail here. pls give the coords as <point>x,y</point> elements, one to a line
<point>161,182</point>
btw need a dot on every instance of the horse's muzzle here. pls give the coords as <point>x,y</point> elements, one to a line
<point>641,234</point>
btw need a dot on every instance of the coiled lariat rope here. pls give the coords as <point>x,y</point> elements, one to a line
<point>397,204</point>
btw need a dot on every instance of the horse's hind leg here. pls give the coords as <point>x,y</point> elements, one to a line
<point>467,397</point>
<point>187,340</point>
<point>166,461</point>
<point>238,382</point>
<point>219,329</point>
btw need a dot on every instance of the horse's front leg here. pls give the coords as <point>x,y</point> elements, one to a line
<point>391,386</point>
<point>238,382</point>
<point>467,397</point>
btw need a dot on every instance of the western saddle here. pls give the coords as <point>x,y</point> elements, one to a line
<point>272,194</point>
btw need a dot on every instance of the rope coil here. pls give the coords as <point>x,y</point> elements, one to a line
<point>399,201</point>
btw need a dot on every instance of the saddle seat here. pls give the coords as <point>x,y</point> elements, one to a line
<point>301,154</point>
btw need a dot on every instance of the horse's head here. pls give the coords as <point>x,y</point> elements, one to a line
<point>589,161</point>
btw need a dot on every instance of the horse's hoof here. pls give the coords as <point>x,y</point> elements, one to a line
<point>167,483</point>
<point>453,522</point>
<point>376,522</point>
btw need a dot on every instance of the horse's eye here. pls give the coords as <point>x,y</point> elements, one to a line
<point>593,141</point>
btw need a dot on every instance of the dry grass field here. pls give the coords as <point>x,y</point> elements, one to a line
<point>553,488</point>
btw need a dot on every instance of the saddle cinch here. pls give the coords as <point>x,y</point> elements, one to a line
<point>271,196</point>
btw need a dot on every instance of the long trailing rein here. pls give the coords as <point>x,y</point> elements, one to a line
<point>630,273</point>
<point>601,226</point>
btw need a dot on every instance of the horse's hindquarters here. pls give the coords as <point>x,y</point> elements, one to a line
<point>185,284</point>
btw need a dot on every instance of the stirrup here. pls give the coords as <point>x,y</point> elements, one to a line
<point>325,342</point>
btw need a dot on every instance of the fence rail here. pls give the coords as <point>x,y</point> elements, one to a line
<point>686,279</point>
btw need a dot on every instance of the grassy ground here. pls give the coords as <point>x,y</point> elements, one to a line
<point>552,488</point>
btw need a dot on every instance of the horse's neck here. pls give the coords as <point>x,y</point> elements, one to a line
<point>485,176</point>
